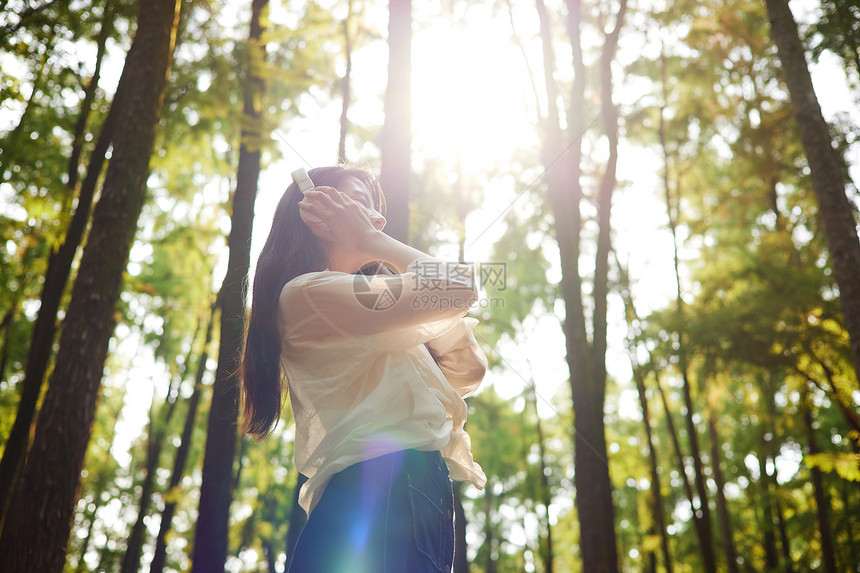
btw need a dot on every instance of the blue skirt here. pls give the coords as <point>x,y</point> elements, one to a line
<point>392,514</point>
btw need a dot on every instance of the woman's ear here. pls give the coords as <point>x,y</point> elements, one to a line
<point>376,218</point>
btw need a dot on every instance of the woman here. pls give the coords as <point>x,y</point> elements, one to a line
<point>378,358</point>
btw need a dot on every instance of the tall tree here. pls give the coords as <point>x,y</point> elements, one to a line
<point>56,279</point>
<point>491,541</point>
<point>396,129</point>
<point>659,513</point>
<point>216,491</point>
<point>180,460</point>
<point>497,431</point>
<point>298,518</point>
<point>346,83</point>
<point>822,499</point>
<point>159,421</point>
<point>702,512</point>
<point>728,542</point>
<point>562,157</point>
<point>547,551</point>
<point>35,539</point>
<point>102,468</point>
<point>136,537</point>
<point>828,178</point>
<point>461,559</point>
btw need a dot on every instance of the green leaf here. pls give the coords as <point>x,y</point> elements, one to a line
<point>845,464</point>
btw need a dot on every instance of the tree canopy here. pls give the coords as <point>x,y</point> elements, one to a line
<point>660,198</point>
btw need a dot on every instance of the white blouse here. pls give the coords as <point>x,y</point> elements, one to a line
<point>377,364</point>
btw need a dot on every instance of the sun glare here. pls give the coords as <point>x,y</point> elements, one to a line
<point>471,99</point>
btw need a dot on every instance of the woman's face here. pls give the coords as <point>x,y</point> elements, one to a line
<point>357,191</point>
<point>341,257</point>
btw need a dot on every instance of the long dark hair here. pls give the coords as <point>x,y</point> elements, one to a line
<point>290,250</point>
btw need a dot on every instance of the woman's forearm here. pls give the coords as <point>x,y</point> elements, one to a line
<point>379,246</point>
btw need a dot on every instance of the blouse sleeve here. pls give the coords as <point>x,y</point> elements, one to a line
<point>459,357</point>
<point>387,311</point>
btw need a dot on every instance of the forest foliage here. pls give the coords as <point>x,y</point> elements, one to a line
<point>730,403</point>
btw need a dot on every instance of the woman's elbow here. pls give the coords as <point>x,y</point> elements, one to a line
<point>471,377</point>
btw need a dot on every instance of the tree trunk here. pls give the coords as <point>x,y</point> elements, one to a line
<point>99,483</point>
<point>241,444</point>
<point>722,505</point>
<point>766,481</point>
<point>89,97</point>
<point>107,558</point>
<point>770,450</point>
<point>822,500</point>
<point>345,84</point>
<point>6,328</point>
<point>81,566</point>
<point>604,554</point>
<point>770,556</point>
<point>396,129</point>
<point>828,180</point>
<point>270,514</point>
<point>702,536</point>
<point>54,285</point>
<point>160,554</point>
<point>545,493</point>
<point>849,412</point>
<point>298,518</point>
<point>702,513</point>
<point>136,538</point>
<point>489,539</point>
<point>39,523</point>
<point>179,462</point>
<point>461,559</point>
<point>216,491</point>
<point>586,362</point>
<point>847,490</point>
<point>250,524</point>
<point>159,422</point>
<point>787,566</point>
<point>270,554</point>
<point>656,495</point>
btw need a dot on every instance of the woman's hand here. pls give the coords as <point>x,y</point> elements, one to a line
<point>343,220</point>
<point>346,223</point>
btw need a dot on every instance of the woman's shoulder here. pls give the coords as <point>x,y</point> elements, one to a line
<point>315,278</point>
<point>305,278</point>
<point>317,305</point>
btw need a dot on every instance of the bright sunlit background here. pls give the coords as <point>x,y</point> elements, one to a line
<point>474,103</point>
<point>475,99</point>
